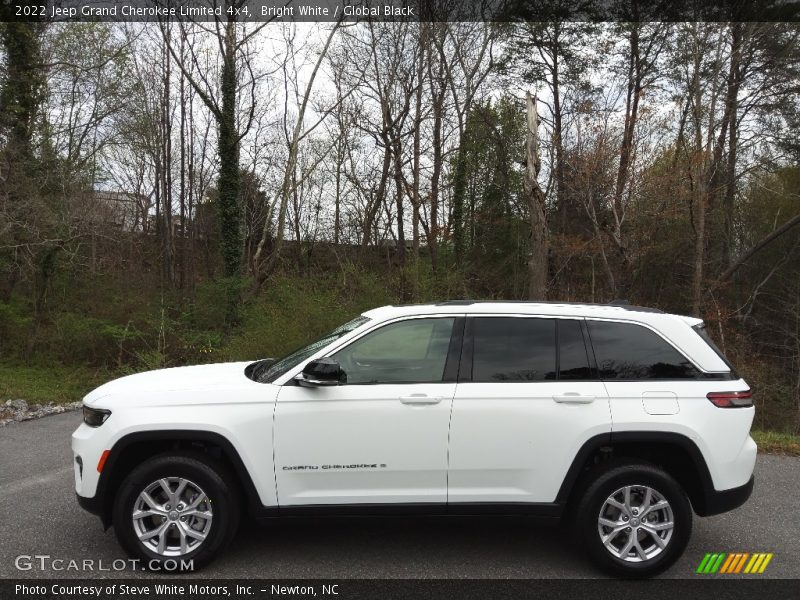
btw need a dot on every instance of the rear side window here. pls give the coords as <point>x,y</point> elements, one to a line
<point>513,349</point>
<point>631,352</point>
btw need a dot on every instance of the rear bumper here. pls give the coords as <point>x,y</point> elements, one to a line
<point>719,502</point>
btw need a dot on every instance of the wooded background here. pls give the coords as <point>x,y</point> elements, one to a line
<point>180,192</point>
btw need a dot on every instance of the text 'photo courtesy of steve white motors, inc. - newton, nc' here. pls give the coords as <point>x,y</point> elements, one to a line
<point>262,10</point>
<point>174,590</point>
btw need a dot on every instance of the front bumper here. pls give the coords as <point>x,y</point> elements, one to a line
<point>88,444</point>
<point>91,505</point>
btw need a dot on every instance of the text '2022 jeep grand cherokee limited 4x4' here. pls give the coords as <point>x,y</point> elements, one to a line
<point>620,419</point>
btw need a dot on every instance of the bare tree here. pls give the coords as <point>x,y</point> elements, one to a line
<point>263,266</point>
<point>222,98</point>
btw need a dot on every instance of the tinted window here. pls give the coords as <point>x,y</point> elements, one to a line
<point>701,331</point>
<point>573,362</point>
<point>413,351</point>
<point>514,349</point>
<point>627,351</point>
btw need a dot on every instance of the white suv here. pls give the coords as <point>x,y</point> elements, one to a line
<point>623,420</point>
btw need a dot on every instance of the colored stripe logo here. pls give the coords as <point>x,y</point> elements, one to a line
<point>734,563</point>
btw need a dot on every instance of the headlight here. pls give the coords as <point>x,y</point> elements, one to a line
<point>94,417</point>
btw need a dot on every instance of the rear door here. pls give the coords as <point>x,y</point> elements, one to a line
<point>528,397</point>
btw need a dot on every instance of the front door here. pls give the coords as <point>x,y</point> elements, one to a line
<point>381,437</point>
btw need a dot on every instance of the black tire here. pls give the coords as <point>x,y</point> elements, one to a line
<point>215,482</point>
<point>616,476</point>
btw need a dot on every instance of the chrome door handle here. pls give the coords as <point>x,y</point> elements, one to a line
<point>421,399</point>
<point>574,398</point>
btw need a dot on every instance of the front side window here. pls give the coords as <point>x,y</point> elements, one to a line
<point>411,351</point>
<point>632,352</point>
<point>513,349</point>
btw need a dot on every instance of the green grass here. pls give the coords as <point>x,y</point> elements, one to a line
<point>772,442</point>
<point>54,383</point>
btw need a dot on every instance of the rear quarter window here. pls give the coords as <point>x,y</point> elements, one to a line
<point>701,331</point>
<point>626,351</point>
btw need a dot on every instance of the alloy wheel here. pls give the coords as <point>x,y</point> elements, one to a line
<point>172,516</point>
<point>635,523</point>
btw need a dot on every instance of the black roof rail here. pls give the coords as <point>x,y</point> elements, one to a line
<point>624,304</point>
<point>460,302</point>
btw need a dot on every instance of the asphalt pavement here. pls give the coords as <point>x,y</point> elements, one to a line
<point>40,517</point>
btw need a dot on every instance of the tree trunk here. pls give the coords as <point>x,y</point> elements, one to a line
<point>228,151</point>
<point>337,226</point>
<point>437,102</point>
<point>732,108</point>
<point>165,130</point>
<point>558,140</point>
<point>182,254</point>
<point>20,95</point>
<point>700,184</point>
<point>433,238</point>
<point>631,116</point>
<point>398,185</point>
<point>459,193</point>
<point>405,291</point>
<point>20,98</point>
<point>377,201</point>
<point>415,198</point>
<point>537,260</point>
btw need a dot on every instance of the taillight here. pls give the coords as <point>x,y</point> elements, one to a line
<point>731,399</point>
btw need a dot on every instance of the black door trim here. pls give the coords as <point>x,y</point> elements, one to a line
<point>453,362</point>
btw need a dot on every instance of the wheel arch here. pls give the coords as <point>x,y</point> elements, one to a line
<point>677,454</point>
<point>134,448</point>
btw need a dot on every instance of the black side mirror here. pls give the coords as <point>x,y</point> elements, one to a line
<point>323,371</point>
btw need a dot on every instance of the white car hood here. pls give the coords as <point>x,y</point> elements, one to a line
<point>200,377</point>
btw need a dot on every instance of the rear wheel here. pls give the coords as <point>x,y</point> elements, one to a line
<point>176,512</point>
<point>634,520</point>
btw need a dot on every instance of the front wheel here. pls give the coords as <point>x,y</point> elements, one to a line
<point>634,520</point>
<point>176,512</point>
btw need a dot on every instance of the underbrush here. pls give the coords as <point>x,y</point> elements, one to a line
<point>771,442</point>
<point>39,384</point>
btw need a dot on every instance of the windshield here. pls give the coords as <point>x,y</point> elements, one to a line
<point>267,371</point>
